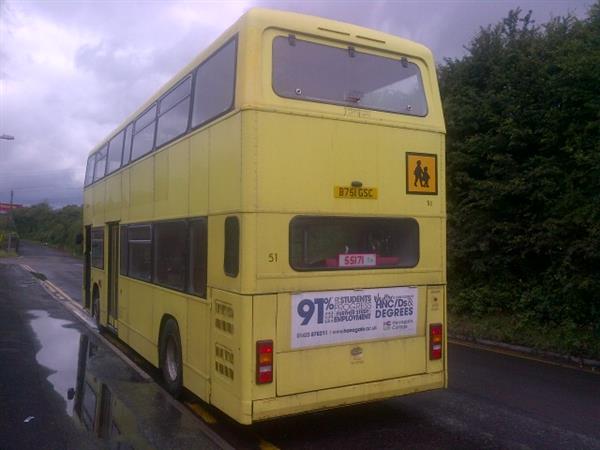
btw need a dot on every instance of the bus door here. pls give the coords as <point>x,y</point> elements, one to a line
<point>113,274</point>
<point>87,271</point>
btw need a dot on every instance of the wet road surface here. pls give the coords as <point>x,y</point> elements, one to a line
<point>493,401</point>
<point>60,267</point>
<point>61,387</point>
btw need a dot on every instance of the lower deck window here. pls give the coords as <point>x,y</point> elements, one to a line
<point>198,245</point>
<point>342,243</point>
<point>140,252</point>
<point>170,253</point>
<point>98,248</point>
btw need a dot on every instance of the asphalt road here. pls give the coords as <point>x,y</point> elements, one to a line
<point>63,387</point>
<point>494,400</point>
<point>64,270</point>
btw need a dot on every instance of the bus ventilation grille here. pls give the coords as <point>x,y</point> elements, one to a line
<point>224,361</point>
<point>224,317</point>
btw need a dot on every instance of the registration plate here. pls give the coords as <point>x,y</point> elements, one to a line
<point>357,260</point>
<point>363,193</point>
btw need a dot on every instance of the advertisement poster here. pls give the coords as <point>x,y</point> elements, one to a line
<point>333,317</point>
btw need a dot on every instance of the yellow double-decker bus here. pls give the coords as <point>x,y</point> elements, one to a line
<point>269,228</point>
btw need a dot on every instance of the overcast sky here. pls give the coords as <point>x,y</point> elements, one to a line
<point>71,71</point>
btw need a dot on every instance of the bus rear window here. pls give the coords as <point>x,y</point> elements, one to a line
<point>305,70</point>
<point>342,243</point>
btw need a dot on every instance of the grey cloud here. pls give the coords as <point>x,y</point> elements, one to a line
<point>33,186</point>
<point>72,71</point>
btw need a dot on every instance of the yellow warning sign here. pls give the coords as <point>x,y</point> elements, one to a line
<point>421,173</point>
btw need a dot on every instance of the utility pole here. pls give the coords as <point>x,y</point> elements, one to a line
<point>8,137</point>
<point>10,220</point>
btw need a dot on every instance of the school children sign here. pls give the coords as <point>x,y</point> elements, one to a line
<point>332,317</point>
<point>421,173</point>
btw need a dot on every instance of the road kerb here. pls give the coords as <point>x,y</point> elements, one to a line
<point>554,359</point>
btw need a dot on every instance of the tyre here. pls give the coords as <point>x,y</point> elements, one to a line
<point>171,362</point>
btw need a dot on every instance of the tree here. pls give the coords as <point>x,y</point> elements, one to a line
<point>523,160</point>
<point>56,227</point>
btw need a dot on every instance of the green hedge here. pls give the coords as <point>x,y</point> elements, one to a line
<point>523,163</point>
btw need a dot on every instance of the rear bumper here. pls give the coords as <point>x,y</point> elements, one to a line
<point>347,395</point>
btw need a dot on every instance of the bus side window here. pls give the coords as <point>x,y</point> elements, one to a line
<point>127,146</point>
<point>170,253</point>
<point>100,167</point>
<point>124,257</point>
<point>140,252</point>
<point>98,248</point>
<point>214,89</point>
<point>198,242</point>
<point>231,263</point>
<point>143,133</point>
<point>115,153</point>
<point>89,171</point>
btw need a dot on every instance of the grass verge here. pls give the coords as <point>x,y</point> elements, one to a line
<point>567,339</point>
<point>5,254</point>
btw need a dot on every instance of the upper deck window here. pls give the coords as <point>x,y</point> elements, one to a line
<point>89,170</point>
<point>215,85</point>
<point>100,167</point>
<point>127,146</point>
<point>115,153</point>
<point>143,134</point>
<point>174,113</point>
<point>309,71</point>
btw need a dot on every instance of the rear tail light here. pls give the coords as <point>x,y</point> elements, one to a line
<point>264,362</point>
<point>435,341</point>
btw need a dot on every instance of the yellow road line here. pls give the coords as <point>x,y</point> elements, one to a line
<point>64,294</point>
<point>201,412</point>
<point>516,354</point>
<point>266,445</point>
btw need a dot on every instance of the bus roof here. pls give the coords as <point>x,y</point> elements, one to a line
<point>259,19</point>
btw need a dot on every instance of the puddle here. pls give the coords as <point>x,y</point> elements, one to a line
<point>106,397</point>
<point>59,352</point>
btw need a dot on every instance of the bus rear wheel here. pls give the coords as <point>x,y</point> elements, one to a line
<point>170,360</point>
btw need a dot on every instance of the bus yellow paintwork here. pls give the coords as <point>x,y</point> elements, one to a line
<point>266,161</point>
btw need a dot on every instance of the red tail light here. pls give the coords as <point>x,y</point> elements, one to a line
<point>435,341</point>
<point>264,362</point>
